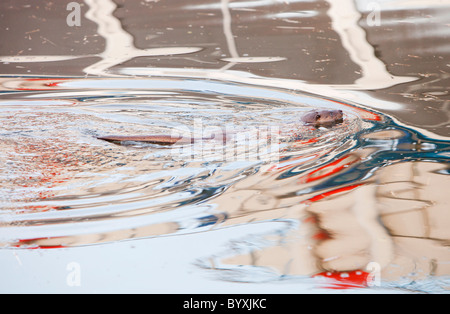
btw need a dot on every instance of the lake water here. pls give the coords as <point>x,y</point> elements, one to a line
<point>282,207</point>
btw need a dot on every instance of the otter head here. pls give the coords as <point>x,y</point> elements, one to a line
<point>326,118</point>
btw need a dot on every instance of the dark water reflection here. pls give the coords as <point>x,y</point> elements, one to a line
<point>365,197</point>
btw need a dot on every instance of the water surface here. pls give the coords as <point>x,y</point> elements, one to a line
<point>283,207</point>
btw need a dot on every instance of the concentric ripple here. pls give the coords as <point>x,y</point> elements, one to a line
<point>61,186</point>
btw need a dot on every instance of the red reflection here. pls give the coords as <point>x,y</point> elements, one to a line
<point>31,244</point>
<point>344,280</point>
<point>37,84</point>
<point>330,193</point>
<point>329,169</point>
<point>41,166</point>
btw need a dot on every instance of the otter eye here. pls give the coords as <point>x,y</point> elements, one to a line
<point>318,117</point>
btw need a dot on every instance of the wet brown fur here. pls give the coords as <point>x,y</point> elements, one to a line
<point>317,118</point>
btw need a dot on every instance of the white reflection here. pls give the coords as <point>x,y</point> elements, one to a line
<point>119,43</point>
<point>227,30</point>
<point>394,5</point>
<point>31,59</point>
<point>345,21</point>
<point>253,59</point>
<point>243,4</point>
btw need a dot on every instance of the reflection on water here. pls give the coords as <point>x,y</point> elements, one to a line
<point>336,204</point>
<point>148,181</point>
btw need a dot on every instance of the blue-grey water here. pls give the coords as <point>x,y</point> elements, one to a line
<point>280,207</point>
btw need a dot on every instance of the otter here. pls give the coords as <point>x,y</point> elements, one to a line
<point>316,118</point>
